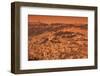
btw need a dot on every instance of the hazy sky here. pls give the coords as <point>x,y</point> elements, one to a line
<point>57,19</point>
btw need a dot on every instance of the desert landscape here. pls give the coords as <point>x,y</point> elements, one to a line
<point>57,37</point>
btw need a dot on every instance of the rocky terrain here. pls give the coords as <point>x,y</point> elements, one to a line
<point>57,41</point>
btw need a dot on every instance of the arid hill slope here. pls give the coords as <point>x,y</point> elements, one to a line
<point>57,41</point>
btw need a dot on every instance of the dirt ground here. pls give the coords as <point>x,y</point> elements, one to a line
<point>57,41</point>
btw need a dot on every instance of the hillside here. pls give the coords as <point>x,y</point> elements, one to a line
<point>57,41</point>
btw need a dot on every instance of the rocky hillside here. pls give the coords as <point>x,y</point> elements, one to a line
<point>57,41</point>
